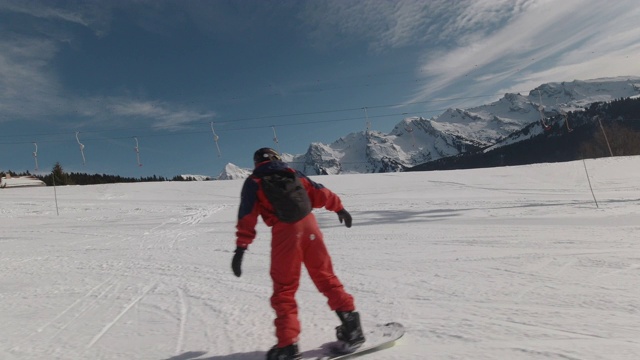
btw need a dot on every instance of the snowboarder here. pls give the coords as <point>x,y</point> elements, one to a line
<point>284,198</point>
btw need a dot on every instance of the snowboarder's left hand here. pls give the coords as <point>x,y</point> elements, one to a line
<point>343,215</point>
<point>236,263</point>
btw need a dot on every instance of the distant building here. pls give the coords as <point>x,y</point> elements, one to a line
<point>20,181</point>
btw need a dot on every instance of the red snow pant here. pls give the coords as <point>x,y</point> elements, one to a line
<point>291,246</point>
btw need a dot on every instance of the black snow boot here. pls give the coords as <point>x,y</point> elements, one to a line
<point>350,332</point>
<point>290,352</point>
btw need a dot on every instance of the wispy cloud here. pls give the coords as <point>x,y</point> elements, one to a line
<point>546,41</point>
<point>31,90</point>
<point>43,11</point>
<point>27,87</point>
<point>383,24</point>
<point>471,47</point>
<point>477,46</point>
<point>387,25</point>
<point>161,115</point>
<point>95,15</point>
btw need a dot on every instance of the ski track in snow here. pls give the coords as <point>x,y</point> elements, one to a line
<point>118,317</point>
<point>84,298</point>
<point>504,263</point>
<point>184,310</point>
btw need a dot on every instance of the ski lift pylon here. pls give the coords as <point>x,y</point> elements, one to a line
<point>215,139</point>
<point>545,126</point>
<point>35,155</point>
<point>84,162</point>
<point>566,122</point>
<point>137,150</point>
<point>564,114</point>
<point>366,116</point>
<point>275,138</point>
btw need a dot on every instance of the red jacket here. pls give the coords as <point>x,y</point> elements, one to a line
<point>254,202</point>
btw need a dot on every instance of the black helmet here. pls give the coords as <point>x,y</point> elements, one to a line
<point>265,154</point>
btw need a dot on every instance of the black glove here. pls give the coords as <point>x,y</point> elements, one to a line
<point>343,215</point>
<point>236,263</point>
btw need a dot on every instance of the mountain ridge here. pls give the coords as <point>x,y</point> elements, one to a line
<point>417,140</point>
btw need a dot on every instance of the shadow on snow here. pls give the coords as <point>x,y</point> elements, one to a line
<point>253,355</point>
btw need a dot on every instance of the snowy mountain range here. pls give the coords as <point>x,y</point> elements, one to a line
<point>416,140</point>
<point>233,172</point>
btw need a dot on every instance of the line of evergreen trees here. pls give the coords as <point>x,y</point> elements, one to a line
<point>60,177</point>
<point>620,131</point>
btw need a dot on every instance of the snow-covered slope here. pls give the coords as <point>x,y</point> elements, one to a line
<point>510,263</point>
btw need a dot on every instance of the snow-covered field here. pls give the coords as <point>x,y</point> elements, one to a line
<point>504,263</point>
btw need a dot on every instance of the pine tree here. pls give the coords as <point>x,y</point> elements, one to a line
<point>61,177</point>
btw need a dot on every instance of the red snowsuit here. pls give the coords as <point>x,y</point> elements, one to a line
<point>292,244</point>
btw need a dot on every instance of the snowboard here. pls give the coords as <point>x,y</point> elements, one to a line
<point>380,337</point>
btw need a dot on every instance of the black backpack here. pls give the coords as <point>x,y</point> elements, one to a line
<point>287,195</point>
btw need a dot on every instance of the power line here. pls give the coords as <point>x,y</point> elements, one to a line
<point>234,121</point>
<point>192,132</point>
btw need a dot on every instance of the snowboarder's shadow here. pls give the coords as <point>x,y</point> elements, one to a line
<point>323,350</point>
<point>253,355</point>
<point>195,355</point>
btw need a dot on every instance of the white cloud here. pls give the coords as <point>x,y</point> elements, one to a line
<point>547,41</point>
<point>383,24</point>
<point>159,114</point>
<point>92,14</point>
<point>386,25</point>
<point>27,86</point>
<point>30,89</point>
<point>472,47</point>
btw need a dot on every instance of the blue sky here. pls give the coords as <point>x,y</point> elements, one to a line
<point>107,73</point>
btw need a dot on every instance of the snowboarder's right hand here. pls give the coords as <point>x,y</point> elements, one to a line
<point>343,215</point>
<point>236,263</point>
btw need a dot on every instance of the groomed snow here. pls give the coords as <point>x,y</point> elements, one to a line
<point>503,263</point>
